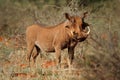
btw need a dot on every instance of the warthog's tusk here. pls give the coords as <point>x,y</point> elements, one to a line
<point>88,30</point>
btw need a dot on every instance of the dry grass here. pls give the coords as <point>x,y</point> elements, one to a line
<point>14,67</point>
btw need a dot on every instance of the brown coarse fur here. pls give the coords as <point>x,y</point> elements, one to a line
<point>55,38</point>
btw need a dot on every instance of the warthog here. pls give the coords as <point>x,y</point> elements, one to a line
<point>55,38</point>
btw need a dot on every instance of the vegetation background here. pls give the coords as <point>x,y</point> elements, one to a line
<point>97,58</point>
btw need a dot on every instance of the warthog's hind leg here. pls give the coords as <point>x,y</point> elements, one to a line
<point>36,53</point>
<point>30,47</point>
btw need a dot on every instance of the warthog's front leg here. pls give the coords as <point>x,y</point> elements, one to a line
<point>58,55</point>
<point>71,56</point>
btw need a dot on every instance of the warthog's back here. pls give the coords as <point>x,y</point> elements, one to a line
<point>31,32</point>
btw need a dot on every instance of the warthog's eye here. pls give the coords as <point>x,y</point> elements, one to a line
<point>67,26</point>
<point>75,33</point>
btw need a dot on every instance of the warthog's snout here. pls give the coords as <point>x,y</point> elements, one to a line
<point>83,34</point>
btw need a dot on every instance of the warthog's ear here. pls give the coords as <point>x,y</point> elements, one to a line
<point>84,15</point>
<point>67,16</point>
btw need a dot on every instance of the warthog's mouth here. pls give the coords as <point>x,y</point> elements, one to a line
<point>82,37</point>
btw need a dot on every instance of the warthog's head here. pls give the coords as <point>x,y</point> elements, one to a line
<point>77,26</point>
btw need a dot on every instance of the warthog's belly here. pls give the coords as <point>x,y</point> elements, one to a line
<point>48,47</point>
